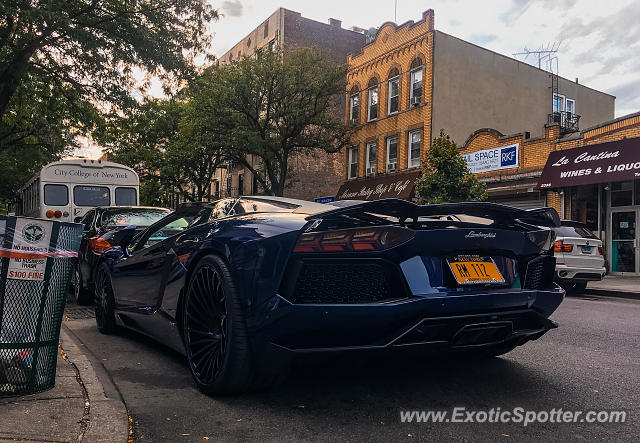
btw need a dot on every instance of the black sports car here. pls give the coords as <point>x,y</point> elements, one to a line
<point>243,284</point>
<point>97,223</point>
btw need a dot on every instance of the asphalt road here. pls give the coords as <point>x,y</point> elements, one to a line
<point>591,362</point>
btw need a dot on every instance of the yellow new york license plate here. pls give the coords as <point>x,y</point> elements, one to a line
<point>472,269</point>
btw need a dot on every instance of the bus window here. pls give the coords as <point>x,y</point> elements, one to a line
<point>91,196</point>
<point>56,195</point>
<point>126,197</point>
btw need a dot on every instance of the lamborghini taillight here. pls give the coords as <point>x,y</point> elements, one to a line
<point>353,240</point>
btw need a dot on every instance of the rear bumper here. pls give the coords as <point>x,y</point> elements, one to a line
<point>441,322</point>
<point>564,272</point>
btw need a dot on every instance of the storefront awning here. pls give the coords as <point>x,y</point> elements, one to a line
<point>395,185</point>
<point>605,162</point>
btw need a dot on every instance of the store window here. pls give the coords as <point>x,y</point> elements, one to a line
<point>622,193</point>
<point>584,205</point>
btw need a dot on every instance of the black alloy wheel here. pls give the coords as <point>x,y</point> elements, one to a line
<point>104,304</point>
<point>206,325</point>
<point>214,330</point>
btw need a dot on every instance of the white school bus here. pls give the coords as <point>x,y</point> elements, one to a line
<point>65,190</point>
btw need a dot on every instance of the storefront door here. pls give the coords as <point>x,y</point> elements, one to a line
<point>624,241</point>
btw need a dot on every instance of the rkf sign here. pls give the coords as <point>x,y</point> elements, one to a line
<point>493,159</point>
<point>604,162</point>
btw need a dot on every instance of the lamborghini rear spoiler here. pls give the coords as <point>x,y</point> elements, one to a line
<point>406,210</point>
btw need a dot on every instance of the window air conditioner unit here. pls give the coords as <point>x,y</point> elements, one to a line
<point>415,101</point>
<point>371,171</point>
<point>391,167</point>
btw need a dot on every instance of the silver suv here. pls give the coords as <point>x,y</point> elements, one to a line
<point>578,255</point>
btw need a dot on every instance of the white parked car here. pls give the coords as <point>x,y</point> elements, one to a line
<point>578,255</point>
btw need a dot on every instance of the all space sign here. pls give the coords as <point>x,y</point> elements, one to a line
<point>502,157</point>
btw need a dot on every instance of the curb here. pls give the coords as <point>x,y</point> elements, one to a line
<point>612,293</point>
<point>107,419</point>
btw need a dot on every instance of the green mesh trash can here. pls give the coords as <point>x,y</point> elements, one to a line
<point>36,262</point>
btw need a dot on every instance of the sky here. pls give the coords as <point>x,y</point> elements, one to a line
<point>597,41</point>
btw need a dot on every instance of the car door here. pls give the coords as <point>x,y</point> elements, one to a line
<point>139,279</point>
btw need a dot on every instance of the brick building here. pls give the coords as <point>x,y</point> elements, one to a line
<point>589,176</point>
<point>413,81</point>
<point>319,173</point>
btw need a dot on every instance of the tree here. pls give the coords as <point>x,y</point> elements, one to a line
<point>282,106</point>
<point>201,144</point>
<point>64,63</point>
<point>92,45</point>
<point>445,176</point>
<point>139,139</point>
<point>175,145</point>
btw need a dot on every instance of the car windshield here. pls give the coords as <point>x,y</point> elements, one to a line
<point>574,230</point>
<point>136,217</point>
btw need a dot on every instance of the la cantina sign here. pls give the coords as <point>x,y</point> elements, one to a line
<point>604,162</point>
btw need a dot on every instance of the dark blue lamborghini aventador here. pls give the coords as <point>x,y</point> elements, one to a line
<point>242,284</point>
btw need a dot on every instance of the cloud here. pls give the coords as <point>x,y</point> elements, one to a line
<point>232,8</point>
<point>482,39</point>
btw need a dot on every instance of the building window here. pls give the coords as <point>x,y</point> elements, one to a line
<point>416,87</point>
<point>371,158</point>
<point>414,149</point>
<point>353,162</point>
<point>266,29</point>
<point>392,153</point>
<point>255,185</point>
<point>373,103</point>
<point>240,184</point>
<point>558,102</point>
<point>354,108</point>
<point>570,106</point>
<point>394,91</point>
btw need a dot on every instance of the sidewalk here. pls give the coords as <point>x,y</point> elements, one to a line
<point>76,409</point>
<point>615,286</point>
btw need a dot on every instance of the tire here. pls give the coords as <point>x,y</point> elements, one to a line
<point>104,303</point>
<point>80,295</point>
<point>215,333</point>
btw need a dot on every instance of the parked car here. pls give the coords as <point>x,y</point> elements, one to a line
<point>97,222</point>
<point>242,285</point>
<point>579,258</point>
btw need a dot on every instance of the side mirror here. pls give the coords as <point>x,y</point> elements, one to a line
<point>77,219</point>
<point>123,237</point>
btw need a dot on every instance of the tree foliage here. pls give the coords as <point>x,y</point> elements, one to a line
<point>64,63</point>
<point>282,106</point>
<point>445,176</point>
<point>175,145</point>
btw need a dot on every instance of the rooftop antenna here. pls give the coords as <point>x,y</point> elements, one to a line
<point>395,11</point>
<point>545,54</point>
